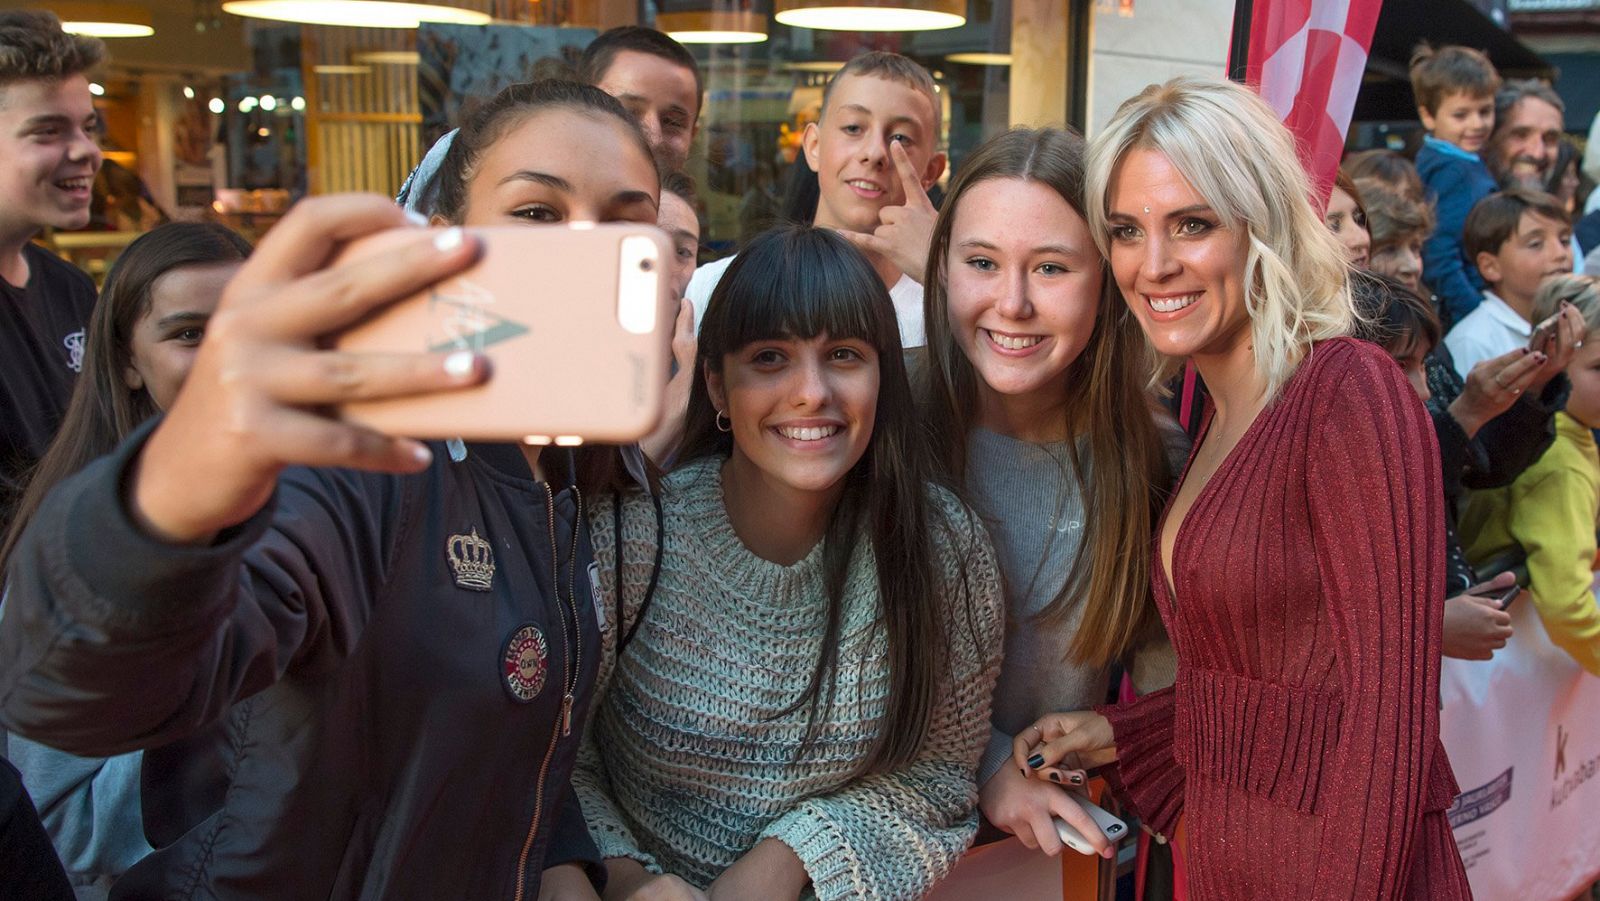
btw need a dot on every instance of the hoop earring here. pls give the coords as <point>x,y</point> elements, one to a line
<point>721,418</point>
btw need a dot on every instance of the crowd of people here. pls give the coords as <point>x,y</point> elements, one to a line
<point>917,514</point>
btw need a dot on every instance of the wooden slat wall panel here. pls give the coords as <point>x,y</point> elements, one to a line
<point>362,130</point>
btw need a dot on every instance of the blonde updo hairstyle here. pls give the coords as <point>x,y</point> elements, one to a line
<point>1231,148</point>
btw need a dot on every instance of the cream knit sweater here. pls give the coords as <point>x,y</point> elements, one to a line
<point>685,766</point>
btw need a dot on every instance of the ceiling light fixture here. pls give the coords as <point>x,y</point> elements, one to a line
<point>387,57</point>
<point>714,26</point>
<point>872,15</point>
<point>980,59</point>
<point>356,13</point>
<point>103,20</point>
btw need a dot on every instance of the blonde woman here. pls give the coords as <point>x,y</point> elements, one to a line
<point>1299,564</point>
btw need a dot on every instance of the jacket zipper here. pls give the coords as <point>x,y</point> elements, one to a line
<point>571,663</point>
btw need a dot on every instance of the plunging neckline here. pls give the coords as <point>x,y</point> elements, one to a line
<point>1166,583</point>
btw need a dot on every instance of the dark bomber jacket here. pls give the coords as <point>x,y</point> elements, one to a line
<point>327,710</point>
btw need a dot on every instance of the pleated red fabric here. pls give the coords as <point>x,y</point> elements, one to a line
<point>1301,739</point>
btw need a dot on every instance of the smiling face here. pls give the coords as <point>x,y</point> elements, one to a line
<point>1180,269</point>
<point>661,95</point>
<point>1540,247</point>
<point>1023,280</point>
<point>848,148</point>
<point>802,410</point>
<point>165,339</point>
<point>1346,220</point>
<point>47,139</point>
<point>1464,120</point>
<point>1525,145</point>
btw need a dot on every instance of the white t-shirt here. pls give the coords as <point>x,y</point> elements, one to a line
<point>1491,329</point>
<point>906,295</point>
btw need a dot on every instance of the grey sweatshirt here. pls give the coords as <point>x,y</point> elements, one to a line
<point>1030,503</point>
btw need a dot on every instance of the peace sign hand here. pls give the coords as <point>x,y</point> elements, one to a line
<point>904,231</point>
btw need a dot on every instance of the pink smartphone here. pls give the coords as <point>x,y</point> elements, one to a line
<point>573,318</point>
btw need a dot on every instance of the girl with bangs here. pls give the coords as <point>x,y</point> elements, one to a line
<point>1035,405</point>
<point>803,698</point>
<point>1299,564</point>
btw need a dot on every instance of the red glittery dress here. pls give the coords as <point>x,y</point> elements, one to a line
<point>1301,739</point>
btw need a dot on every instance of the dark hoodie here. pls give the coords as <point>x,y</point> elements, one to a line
<point>325,692</point>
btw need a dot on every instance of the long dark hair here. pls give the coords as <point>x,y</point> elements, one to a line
<point>595,468</point>
<point>801,282</point>
<point>103,409</point>
<point>1109,416</point>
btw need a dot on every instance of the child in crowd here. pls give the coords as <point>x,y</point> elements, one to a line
<point>141,342</point>
<point>875,150</point>
<point>1399,226</point>
<point>1516,238</point>
<point>1454,89</point>
<point>1389,167</point>
<point>1034,402</point>
<point>294,616</point>
<point>1346,217</point>
<point>1397,319</point>
<point>800,707</point>
<point>1550,511</point>
<point>48,128</point>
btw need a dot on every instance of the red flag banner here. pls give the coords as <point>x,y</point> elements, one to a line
<point>1305,59</point>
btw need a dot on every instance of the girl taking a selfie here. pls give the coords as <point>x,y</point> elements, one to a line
<point>361,664</point>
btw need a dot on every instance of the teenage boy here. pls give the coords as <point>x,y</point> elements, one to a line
<point>48,160</point>
<point>657,79</point>
<point>875,151</point>
<point>1455,89</point>
<point>650,73</point>
<point>1517,239</point>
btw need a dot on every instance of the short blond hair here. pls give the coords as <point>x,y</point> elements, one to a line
<point>1231,148</point>
<point>1582,291</point>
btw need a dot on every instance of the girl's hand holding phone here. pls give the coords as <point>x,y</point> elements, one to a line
<point>1027,808</point>
<point>262,388</point>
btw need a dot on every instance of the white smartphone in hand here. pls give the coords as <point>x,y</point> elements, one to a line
<point>1114,829</point>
